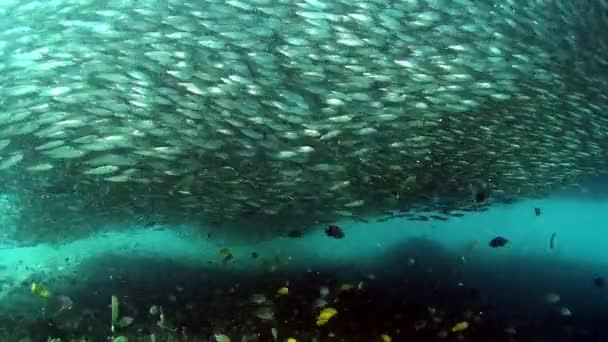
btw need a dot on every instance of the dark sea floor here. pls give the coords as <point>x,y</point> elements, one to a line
<point>417,303</point>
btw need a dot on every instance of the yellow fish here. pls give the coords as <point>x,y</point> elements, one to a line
<point>40,290</point>
<point>385,338</point>
<point>460,326</point>
<point>325,315</point>
<point>346,287</point>
<point>283,291</point>
<point>291,339</point>
<point>224,252</point>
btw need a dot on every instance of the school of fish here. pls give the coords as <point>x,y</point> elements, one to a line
<point>267,111</point>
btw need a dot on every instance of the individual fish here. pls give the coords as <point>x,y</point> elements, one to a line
<point>154,310</point>
<point>552,297</point>
<point>11,161</point>
<point>419,218</point>
<point>226,254</point>
<point>320,303</point>
<point>537,211</point>
<point>125,321</point>
<point>294,234</point>
<point>334,232</point>
<point>480,196</point>
<point>65,304</point>
<point>437,217</point>
<point>40,290</point>
<point>599,281</point>
<point>552,241</point>
<point>258,298</point>
<point>221,338</point>
<point>498,242</point>
<point>283,291</point>
<point>264,312</point>
<point>564,311</point>
<point>345,287</point>
<point>325,315</point>
<point>460,326</point>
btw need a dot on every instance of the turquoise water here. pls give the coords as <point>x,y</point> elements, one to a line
<point>512,282</point>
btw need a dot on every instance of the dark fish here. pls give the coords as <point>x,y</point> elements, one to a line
<point>418,218</point>
<point>498,242</point>
<point>599,282</point>
<point>457,214</point>
<point>440,218</point>
<point>227,258</point>
<point>334,231</point>
<point>552,241</point>
<point>254,255</point>
<point>537,211</point>
<point>360,219</point>
<point>481,196</point>
<point>294,233</point>
<point>392,217</point>
<point>404,215</point>
<point>509,200</point>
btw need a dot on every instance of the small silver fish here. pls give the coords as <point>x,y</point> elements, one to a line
<point>265,313</point>
<point>552,297</point>
<point>125,321</point>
